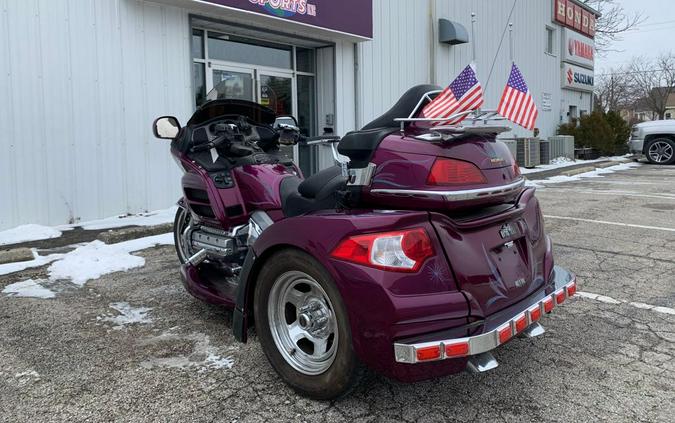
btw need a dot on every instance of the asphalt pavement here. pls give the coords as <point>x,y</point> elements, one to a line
<point>134,346</point>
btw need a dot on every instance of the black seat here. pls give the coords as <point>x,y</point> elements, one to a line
<point>317,192</point>
<point>359,146</point>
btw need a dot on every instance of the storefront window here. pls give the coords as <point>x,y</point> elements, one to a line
<point>197,44</point>
<point>199,82</point>
<point>242,50</point>
<point>304,60</point>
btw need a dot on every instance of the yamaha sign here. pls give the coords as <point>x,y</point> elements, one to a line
<point>577,49</point>
<point>577,78</point>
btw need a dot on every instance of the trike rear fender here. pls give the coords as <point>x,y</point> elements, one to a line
<point>382,305</point>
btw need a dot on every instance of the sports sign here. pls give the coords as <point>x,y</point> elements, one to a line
<point>578,49</point>
<point>577,78</point>
<point>353,17</point>
<point>572,14</point>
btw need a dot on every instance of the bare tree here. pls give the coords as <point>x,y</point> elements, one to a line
<point>653,81</point>
<point>613,22</point>
<point>613,90</point>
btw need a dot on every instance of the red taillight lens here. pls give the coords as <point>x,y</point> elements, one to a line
<point>548,305</point>
<point>535,314</point>
<point>560,297</point>
<point>571,289</point>
<point>504,334</point>
<point>516,169</point>
<point>460,349</point>
<point>455,172</point>
<point>521,324</point>
<point>402,251</point>
<point>429,353</point>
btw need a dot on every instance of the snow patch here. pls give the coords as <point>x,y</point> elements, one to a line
<point>29,288</point>
<point>153,218</point>
<point>30,232</point>
<point>19,266</point>
<point>597,173</point>
<point>204,356</point>
<point>95,259</point>
<point>128,315</point>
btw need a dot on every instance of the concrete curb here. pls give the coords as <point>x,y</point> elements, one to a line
<point>15,255</point>
<point>574,169</point>
<point>114,236</point>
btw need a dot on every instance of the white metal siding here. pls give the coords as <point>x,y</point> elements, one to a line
<point>81,83</point>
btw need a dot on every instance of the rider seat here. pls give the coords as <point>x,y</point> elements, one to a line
<point>317,192</point>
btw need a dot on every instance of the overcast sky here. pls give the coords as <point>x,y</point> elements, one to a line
<point>655,36</point>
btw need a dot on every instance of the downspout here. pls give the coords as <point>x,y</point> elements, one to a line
<point>357,90</point>
<point>432,44</point>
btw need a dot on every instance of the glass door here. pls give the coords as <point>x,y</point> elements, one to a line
<point>238,82</point>
<point>276,91</point>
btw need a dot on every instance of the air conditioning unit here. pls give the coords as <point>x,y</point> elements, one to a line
<point>562,146</point>
<point>528,152</point>
<point>544,152</point>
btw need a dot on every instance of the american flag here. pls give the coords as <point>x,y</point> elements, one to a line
<point>517,104</point>
<point>463,94</point>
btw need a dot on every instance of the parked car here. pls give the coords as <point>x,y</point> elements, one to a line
<point>655,140</point>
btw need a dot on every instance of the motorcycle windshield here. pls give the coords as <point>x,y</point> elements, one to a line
<point>218,105</point>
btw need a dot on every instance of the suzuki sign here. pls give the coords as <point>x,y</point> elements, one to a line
<point>577,78</point>
<point>578,49</point>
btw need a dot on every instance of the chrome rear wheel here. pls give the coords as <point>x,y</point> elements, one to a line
<point>302,322</point>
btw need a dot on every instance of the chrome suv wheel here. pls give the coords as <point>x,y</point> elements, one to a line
<point>661,151</point>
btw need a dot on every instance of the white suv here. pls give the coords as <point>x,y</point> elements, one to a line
<point>655,140</point>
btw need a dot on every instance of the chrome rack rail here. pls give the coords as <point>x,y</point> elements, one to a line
<point>478,120</point>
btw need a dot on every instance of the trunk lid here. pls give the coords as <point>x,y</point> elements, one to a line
<point>498,259</point>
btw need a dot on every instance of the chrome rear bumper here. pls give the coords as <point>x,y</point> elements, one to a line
<point>488,341</point>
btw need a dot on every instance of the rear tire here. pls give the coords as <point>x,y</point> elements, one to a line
<point>303,326</point>
<point>661,151</point>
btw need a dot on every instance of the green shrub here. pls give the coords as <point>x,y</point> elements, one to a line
<point>595,131</point>
<point>621,131</point>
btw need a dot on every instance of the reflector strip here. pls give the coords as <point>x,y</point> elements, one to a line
<point>429,353</point>
<point>535,313</point>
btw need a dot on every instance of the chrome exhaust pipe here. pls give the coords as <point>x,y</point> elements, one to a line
<point>481,363</point>
<point>198,258</point>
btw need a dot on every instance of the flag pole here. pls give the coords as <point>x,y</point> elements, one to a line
<point>473,36</point>
<point>511,41</point>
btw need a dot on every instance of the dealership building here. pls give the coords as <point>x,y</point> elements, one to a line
<point>83,80</point>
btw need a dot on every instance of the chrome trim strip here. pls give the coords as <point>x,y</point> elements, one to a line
<point>480,344</point>
<point>460,195</point>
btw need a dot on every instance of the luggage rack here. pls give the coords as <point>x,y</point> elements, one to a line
<point>480,122</point>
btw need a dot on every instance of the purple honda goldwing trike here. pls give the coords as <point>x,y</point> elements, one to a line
<point>415,256</point>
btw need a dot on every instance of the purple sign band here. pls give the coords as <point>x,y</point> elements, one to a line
<point>350,16</point>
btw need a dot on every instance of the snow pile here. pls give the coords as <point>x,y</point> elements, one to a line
<point>29,288</point>
<point>157,217</point>
<point>128,315</point>
<point>561,160</point>
<point>30,232</point>
<point>95,259</point>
